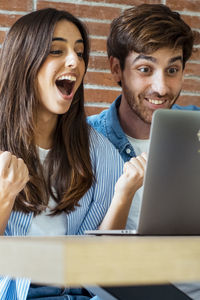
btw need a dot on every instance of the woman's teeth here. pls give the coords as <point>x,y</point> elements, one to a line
<point>67,77</point>
<point>65,84</point>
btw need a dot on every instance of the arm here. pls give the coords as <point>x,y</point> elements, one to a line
<point>13,178</point>
<point>128,183</point>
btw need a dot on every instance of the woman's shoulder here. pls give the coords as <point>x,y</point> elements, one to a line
<point>102,149</point>
<point>97,139</point>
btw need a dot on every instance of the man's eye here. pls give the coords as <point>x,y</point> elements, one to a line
<point>56,52</point>
<point>172,71</point>
<point>144,70</point>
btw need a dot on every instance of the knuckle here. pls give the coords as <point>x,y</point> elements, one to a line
<point>132,159</point>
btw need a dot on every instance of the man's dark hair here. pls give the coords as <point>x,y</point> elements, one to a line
<point>147,28</point>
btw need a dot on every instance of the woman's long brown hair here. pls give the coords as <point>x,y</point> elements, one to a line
<point>68,164</point>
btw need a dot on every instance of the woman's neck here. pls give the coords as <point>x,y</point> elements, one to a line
<point>45,131</point>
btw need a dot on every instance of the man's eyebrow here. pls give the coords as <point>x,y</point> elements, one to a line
<point>153,59</point>
<point>143,56</point>
<point>65,40</point>
<point>173,59</point>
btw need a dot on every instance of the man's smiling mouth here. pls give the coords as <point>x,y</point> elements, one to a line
<point>65,84</point>
<point>155,101</point>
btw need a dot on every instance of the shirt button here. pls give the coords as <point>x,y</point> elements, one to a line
<point>128,150</point>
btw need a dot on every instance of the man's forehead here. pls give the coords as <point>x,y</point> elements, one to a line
<point>167,55</point>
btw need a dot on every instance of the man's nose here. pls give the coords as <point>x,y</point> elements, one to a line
<point>159,84</point>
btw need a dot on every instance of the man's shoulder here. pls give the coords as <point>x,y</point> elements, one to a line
<point>98,121</point>
<point>188,107</point>
<point>98,118</point>
<point>107,119</point>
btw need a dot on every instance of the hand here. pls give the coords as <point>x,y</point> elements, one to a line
<point>132,178</point>
<point>13,175</point>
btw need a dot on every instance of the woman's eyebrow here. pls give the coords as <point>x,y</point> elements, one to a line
<point>59,39</point>
<point>65,40</point>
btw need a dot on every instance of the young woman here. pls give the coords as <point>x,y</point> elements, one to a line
<point>57,175</point>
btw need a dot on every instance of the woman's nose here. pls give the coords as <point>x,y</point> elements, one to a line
<point>71,60</point>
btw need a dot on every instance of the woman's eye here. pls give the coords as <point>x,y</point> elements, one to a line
<point>56,52</point>
<point>80,54</point>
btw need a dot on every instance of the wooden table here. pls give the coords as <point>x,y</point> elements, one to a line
<point>79,260</point>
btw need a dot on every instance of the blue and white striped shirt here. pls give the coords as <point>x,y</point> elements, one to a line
<point>107,167</point>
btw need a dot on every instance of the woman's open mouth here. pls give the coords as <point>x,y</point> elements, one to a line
<point>65,85</point>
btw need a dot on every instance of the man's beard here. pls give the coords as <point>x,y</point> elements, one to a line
<point>144,113</point>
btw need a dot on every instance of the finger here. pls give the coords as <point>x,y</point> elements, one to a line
<point>138,162</point>
<point>133,168</point>
<point>22,168</point>
<point>144,155</point>
<point>12,169</point>
<point>13,162</point>
<point>142,161</point>
<point>129,164</point>
<point>5,160</point>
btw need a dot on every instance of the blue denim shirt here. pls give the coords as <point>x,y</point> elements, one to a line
<point>107,123</point>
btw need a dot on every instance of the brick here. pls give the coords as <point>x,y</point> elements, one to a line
<point>95,28</point>
<point>128,2</point>
<point>192,21</point>
<point>192,69</point>
<point>103,79</point>
<point>16,5</point>
<point>83,11</point>
<point>138,2</point>
<point>196,38</point>
<point>187,100</point>
<point>125,2</point>
<point>191,85</point>
<point>93,110</point>
<point>98,45</point>
<point>8,20</point>
<point>99,62</point>
<point>2,36</point>
<point>100,96</point>
<point>191,5</point>
<point>195,54</point>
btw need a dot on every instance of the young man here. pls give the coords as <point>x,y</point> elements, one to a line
<point>148,47</point>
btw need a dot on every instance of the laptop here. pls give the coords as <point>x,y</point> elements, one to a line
<point>138,292</point>
<point>171,196</point>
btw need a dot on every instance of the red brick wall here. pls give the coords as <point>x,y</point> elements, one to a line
<point>100,89</point>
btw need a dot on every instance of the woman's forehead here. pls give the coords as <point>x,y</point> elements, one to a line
<point>67,30</point>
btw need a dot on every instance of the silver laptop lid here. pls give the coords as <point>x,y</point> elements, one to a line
<point>171,197</point>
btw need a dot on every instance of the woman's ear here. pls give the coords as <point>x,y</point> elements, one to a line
<point>115,69</point>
